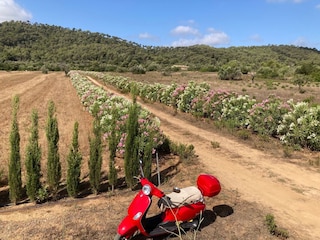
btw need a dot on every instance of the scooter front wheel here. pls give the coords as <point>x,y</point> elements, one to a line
<point>119,237</point>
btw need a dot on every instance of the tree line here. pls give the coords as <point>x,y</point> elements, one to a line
<point>36,190</point>
<point>27,46</point>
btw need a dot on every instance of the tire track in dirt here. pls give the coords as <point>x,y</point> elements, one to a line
<point>35,91</point>
<point>27,84</point>
<point>290,192</point>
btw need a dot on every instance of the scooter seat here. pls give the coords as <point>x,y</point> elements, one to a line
<point>186,196</point>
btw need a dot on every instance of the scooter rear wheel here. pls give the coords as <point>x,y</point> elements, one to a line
<point>119,237</point>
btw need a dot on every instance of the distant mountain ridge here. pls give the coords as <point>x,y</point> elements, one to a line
<point>26,46</point>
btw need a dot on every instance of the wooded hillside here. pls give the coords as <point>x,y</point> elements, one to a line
<point>27,46</point>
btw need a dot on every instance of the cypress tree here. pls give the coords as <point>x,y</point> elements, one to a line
<point>95,160</point>
<point>33,158</point>
<point>147,159</point>
<point>113,142</point>
<point>53,164</point>
<point>131,155</point>
<point>15,183</point>
<point>74,164</point>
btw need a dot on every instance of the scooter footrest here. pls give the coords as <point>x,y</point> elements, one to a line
<point>163,228</point>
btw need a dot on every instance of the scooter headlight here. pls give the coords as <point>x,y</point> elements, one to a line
<point>146,189</point>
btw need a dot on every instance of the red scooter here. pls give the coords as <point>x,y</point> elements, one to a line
<point>181,206</point>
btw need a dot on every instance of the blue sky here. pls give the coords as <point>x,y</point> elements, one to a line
<point>218,23</point>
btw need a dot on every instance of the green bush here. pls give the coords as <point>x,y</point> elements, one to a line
<point>139,69</point>
<point>230,71</point>
<point>300,126</point>
<point>274,229</point>
<point>264,117</point>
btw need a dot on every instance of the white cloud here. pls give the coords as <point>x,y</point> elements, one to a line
<point>302,42</point>
<point>213,37</point>
<point>145,36</point>
<point>9,10</point>
<point>184,30</point>
<point>318,6</point>
<point>148,36</point>
<point>256,38</point>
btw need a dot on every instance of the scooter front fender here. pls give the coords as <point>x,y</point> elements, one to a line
<point>127,227</point>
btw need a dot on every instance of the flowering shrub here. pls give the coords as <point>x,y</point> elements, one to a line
<point>265,117</point>
<point>296,124</point>
<point>301,126</point>
<point>110,107</point>
<point>211,103</point>
<point>235,109</point>
<point>166,95</point>
<point>189,93</point>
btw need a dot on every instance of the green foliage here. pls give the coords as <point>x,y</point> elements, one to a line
<point>33,160</point>
<point>74,160</point>
<point>306,69</point>
<point>26,46</point>
<point>139,69</point>
<point>300,80</point>
<point>95,160</point>
<point>187,99</point>
<point>230,71</point>
<point>113,141</point>
<point>131,156</point>
<point>265,117</point>
<point>235,109</point>
<point>267,72</point>
<point>53,163</point>
<point>300,126</point>
<point>184,151</point>
<point>232,110</point>
<point>15,183</point>
<point>44,69</point>
<point>215,144</point>
<point>243,134</point>
<point>42,194</point>
<point>274,229</point>
<point>147,159</point>
<point>1,174</point>
<point>316,75</point>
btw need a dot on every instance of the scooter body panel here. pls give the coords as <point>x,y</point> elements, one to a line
<point>183,213</point>
<point>137,209</point>
<point>127,227</point>
<point>139,204</point>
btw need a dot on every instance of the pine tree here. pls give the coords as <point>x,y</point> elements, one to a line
<point>131,155</point>
<point>74,164</point>
<point>33,159</point>
<point>53,164</point>
<point>15,183</point>
<point>95,160</point>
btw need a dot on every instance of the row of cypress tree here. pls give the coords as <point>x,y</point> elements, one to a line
<point>33,158</point>
<point>34,188</point>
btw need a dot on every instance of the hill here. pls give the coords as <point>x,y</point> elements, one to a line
<point>26,46</point>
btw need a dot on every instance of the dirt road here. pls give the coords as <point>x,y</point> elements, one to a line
<point>289,191</point>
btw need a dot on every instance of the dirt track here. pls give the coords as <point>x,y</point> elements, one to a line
<point>288,191</point>
<point>291,192</point>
